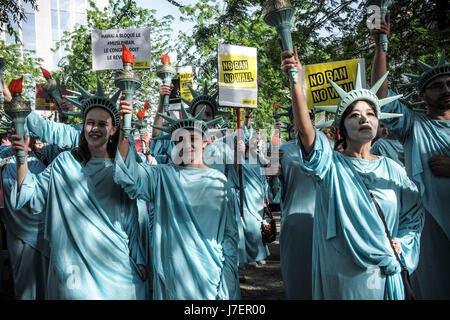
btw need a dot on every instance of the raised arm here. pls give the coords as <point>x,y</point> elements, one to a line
<point>379,65</point>
<point>299,107</point>
<point>63,135</point>
<point>22,169</point>
<point>164,89</point>
<point>6,93</point>
<point>124,141</point>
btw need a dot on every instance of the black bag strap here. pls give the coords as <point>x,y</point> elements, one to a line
<point>380,213</point>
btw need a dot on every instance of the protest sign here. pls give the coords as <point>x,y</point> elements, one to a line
<point>181,85</point>
<point>107,48</point>
<point>319,92</point>
<point>237,76</point>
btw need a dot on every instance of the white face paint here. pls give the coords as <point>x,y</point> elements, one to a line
<point>361,123</point>
<point>98,127</point>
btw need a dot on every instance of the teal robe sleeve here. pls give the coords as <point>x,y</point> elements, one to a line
<point>401,127</point>
<point>161,150</point>
<point>6,151</point>
<point>33,192</point>
<point>318,161</point>
<point>63,135</point>
<point>387,148</point>
<point>136,178</point>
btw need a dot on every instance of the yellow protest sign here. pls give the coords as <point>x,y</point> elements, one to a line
<point>238,71</point>
<point>237,76</point>
<point>181,85</point>
<point>318,91</point>
<point>185,81</point>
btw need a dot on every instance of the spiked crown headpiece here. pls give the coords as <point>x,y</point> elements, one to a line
<point>359,93</point>
<point>185,122</point>
<point>86,101</point>
<point>204,97</point>
<point>224,124</point>
<point>429,73</point>
<point>286,127</point>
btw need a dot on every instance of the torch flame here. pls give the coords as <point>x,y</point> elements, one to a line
<point>146,104</point>
<point>45,73</point>
<point>15,86</point>
<point>127,56</point>
<point>165,59</point>
<point>141,114</point>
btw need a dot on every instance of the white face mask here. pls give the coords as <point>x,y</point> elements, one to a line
<point>98,127</point>
<point>361,123</point>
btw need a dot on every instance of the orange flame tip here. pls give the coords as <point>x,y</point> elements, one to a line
<point>165,59</point>
<point>45,73</point>
<point>141,114</point>
<point>15,86</point>
<point>127,56</point>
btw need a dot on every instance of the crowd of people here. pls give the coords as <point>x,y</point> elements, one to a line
<point>88,215</point>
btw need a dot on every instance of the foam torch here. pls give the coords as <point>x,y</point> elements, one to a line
<point>166,73</point>
<point>18,109</point>
<point>383,6</point>
<point>141,125</point>
<point>128,81</point>
<point>278,14</point>
<point>53,88</point>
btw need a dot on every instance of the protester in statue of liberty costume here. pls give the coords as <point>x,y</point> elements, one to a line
<point>194,241</point>
<point>27,249</point>
<point>352,256</point>
<point>91,225</point>
<point>219,156</point>
<point>61,136</point>
<point>296,225</point>
<point>426,142</point>
<point>219,153</point>
<point>255,187</point>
